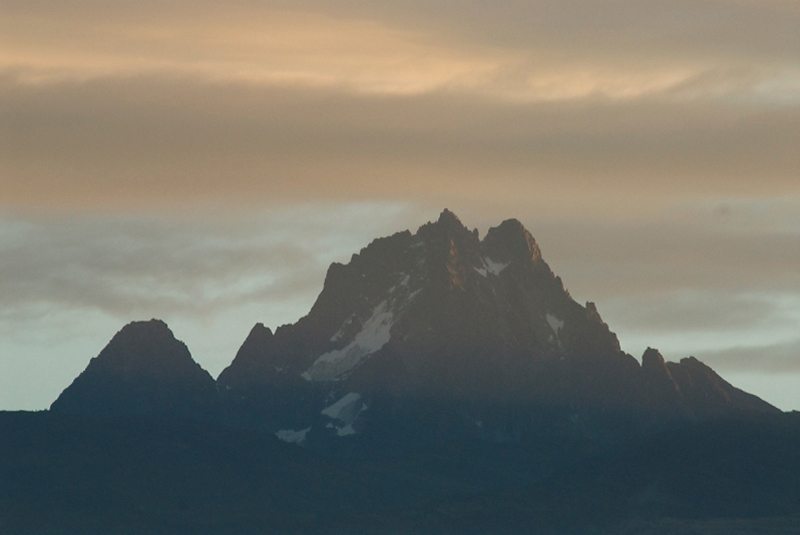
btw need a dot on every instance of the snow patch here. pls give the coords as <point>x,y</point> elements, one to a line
<point>293,437</point>
<point>490,266</point>
<point>346,430</point>
<point>345,411</point>
<point>345,408</point>
<point>413,294</point>
<point>375,333</point>
<point>555,323</point>
<point>495,268</point>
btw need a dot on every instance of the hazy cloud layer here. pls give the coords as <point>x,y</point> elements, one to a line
<point>625,102</point>
<point>768,359</point>
<point>511,47</point>
<point>166,141</point>
<point>647,257</point>
<point>126,266</point>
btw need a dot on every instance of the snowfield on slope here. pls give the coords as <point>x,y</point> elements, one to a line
<point>374,334</point>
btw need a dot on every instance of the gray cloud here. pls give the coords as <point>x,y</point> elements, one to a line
<point>128,266</point>
<point>766,359</point>
<point>665,254</point>
<point>701,311</point>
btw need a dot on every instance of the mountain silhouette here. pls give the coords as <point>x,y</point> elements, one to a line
<point>424,336</point>
<point>144,371</point>
<point>440,329</point>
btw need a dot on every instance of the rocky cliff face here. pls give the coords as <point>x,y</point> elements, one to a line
<point>143,370</point>
<point>691,389</point>
<point>443,331</point>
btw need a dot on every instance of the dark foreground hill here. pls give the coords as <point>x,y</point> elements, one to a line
<point>62,474</point>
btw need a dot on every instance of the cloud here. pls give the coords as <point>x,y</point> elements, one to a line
<point>516,50</point>
<point>133,266</point>
<point>765,359</point>
<point>150,141</point>
<point>666,254</point>
<point>700,311</point>
<point>574,105</point>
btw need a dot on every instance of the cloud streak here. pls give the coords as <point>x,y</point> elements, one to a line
<point>144,141</point>
<point>131,266</point>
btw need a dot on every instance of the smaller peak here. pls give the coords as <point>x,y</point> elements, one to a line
<point>693,362</point>
<point>513,224</point>
<point>149,327</point>
<point>153,323</point>
<point>592,312</point>
<point>510,239</point>
<point>652,358</point>
<point>259,331</point>
<point>449,226</point>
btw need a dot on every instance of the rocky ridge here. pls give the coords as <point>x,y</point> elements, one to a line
<point>435,335</point>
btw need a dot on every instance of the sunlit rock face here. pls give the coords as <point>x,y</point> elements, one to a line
<point>442,333</point>
<point>144,371</point>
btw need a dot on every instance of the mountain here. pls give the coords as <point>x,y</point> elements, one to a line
<point>440,334</point>
<point>440,384</point>
<point>145,371</point>
<point>431,336</point>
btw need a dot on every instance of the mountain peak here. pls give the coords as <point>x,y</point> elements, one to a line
<point>652,359</point>
<point>256,355</point>
<point>144,369</point>
<point>447,217</point>
<point>146,348</point>
<point>146,327</point>
<point>511,239</point>
<point>447,228</point>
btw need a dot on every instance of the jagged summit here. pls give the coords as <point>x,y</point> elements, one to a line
<point>449,219</point>
<point>143,370</point>
<point>442,315</point>
<point>496,293</point>
<point>435,333</point>
<point>513,239</point>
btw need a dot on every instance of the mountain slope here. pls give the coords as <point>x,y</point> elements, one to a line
<point>143,370</point>
<point>443,333</point>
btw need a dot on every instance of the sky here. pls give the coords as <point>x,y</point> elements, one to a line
<point>204,162</point>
